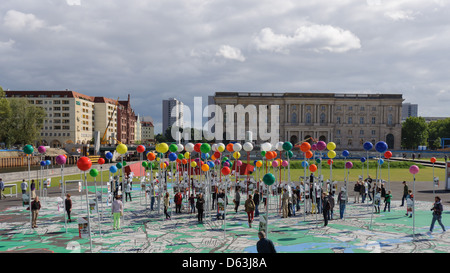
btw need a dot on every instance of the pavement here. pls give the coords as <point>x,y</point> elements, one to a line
<point>145,231</point>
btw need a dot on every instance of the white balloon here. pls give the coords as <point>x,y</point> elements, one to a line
<point>214,147</point>
<point>221,145</point>
<point>266,146</point>
<point>279,146</point>
<point>180,148</point>
<point>189,147</point>
<point>248,146</point>
<point>237,147</point>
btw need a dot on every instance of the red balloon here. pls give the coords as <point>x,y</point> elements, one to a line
<point>433,160</point>
<point>330,162</point>
<point>84,163</point>
<point>226,171</point>
<point>140,149</point>
<point>151,156</point>
<point>197,147</point>
<point>101,161</point>
<point>388,154</point>
<point>313,168</point>
<point>184,161</point>
<point>217,155</point>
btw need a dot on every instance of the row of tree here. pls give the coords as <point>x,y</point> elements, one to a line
<point>20,122</point>
<point>416,132</point>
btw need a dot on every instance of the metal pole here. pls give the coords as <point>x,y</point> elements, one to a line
<point>88,211</point>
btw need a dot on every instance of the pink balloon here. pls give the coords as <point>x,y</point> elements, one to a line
<point>321,145</point>
<point>413,169</point>
<point>41,149</point>
<point>275,164</point>
<point>61,160</point>
<point>239,163</point>
<point>284,163</point>
<point>314,147</point>
<point>348,165</point>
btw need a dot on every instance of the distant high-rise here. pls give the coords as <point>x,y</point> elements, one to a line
<point>172,114</point>
<point>409,110</point>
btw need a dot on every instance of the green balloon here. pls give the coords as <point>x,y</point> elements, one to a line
<point>263,153</point>
<point>287,146</point>
<point>224,158</point>
<point>318,160</point>
<point>160,155</point>
<point>93,172</point>
<point>28,149</point>
<point>289,154</point>
<point>144,164</point>
<point>173,148</point>
<point>205,148</point>
<point>119,166</point>
<point>180,156</point>
<point>269,179</point>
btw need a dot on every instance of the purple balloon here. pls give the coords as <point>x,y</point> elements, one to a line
<point>321,145</point>
<point>61,160</point>
<point>348,165</point>
<point>217,161</point>
<point>314,147</point>
<point>239,163</point>
<point>275,163</point>
<point>41,149</point>
<point>226,164</point>
<point>413,169</point>
<point>197,160</point>
<point>284,163</point>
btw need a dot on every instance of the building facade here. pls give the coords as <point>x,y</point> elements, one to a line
<point>126,122</point>
<point>172,113</point>
<point>72,117</point>
<point>148,132</point>
<point>349,120</point>
<point>409,110</point>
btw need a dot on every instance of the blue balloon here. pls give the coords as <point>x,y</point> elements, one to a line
<point>205,156</point>
<point>345,153</point>
<point>381,147</point>
<point>48,162</point>
<point>109,155</point>
<point>305,164</point>
<point>368,146</point>
<point>43,163</point>
<point>380,161</point>
<point>113,169</point>
<point>254,162</point>
<point>210,164</point>
<point>172,156</point>
<point>363,159</point>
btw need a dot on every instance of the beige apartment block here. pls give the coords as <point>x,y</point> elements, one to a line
<point>349,120</point>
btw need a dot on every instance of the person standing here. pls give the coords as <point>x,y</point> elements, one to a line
<point>33,189</point>
<point>298,193</point>
<point>24,186</point>
<point>166,205</point>
<point>357,189</point>
<point>2,188</point>
<point>128,191</point>
<point>192,203</point>
<point>326,208</point>
<point>405,193</point>
<point>178,202</point>
<point>387,201</point>
<point>35,207</point>
<point>409,204</point>
<point>68,204</point>
<point>437,214</point>
<point>250,209</point>
<point>377,200</point>
<point>342,199</point>
<point>256,198</point>
<point>200,207</point>
<point>237,200</point>
<point>362,191</point>
<point>285,203</point>
<point>294,202</point>
<point>264,245</point>
<point>117,211</point>
<point>331,200</point>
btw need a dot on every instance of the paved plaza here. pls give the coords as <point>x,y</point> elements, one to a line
<point>145,231</point>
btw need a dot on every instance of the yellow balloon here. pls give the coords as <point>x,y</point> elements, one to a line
<point>268,163</point>
<point>331,146</point>
<point>121,149</point>
<point>279,161</point>
<point>221,148</point>
<point>236,155</point>
<point>205,167</point>
<point>331,154</point>
<point>162,148</point>
<point>157,159</point>
<point>163,165</point>
<point>193,164</point>
<point>187,155</point>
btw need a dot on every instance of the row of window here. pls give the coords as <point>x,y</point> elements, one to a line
<point>350,132</point>
<point>308,119</point>
<point>55,134</point>
<point>350,142</point>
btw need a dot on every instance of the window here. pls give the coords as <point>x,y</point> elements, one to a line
<point>361,120</point>
<point>338,141</point>
<point>56,102</point>
<point>322,118</point>
<point>294,118</point>
<point>65,108</point>
<point>350,108</point>
<point>361,132</point>
<point>57,127</point>
<point>389,119</point>
<point>338,120</point>
<point>373,132</point>
<point>350,120</point>
<point>349,142</point>
<point>322,107</point>
<point>65,127</point>
<point>362,108</point>
<point>65,102</point>
<point>66,115</point>
<point>57,108</point>
<point>308,118</point>
<point>350,132</point>
<point>374,108</point>
<point>338,132</point>
<point>338,108</point>
<point>373,120</point>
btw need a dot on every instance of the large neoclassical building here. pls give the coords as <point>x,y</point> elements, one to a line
<point>349,120</point>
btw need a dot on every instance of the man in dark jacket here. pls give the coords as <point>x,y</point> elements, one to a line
<point>200,207</point>
<point>264,245</point>
<point>437,214</point>
<point>405,193</point>
<point>326,208</point>
<point>256,201</point>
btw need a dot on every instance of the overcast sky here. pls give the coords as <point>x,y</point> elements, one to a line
<point>157,49</point>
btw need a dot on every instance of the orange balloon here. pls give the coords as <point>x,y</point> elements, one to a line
<point>309,154</point>
<point>305,146</point>
<point>213,157</point>
<point>184,161</point>
<point>178,161</point>
<point>274,154</point>
<point>163,165</point>
<point>151,156</point>
<point>230,147</point>
<point>313,168</point>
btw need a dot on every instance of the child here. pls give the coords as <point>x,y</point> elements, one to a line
<point>387,201</point>
<point>377,200</point>
<point>409,203</point>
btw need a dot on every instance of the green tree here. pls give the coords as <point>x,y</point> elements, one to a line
<point>5,114</point>
<point>414,132</point>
